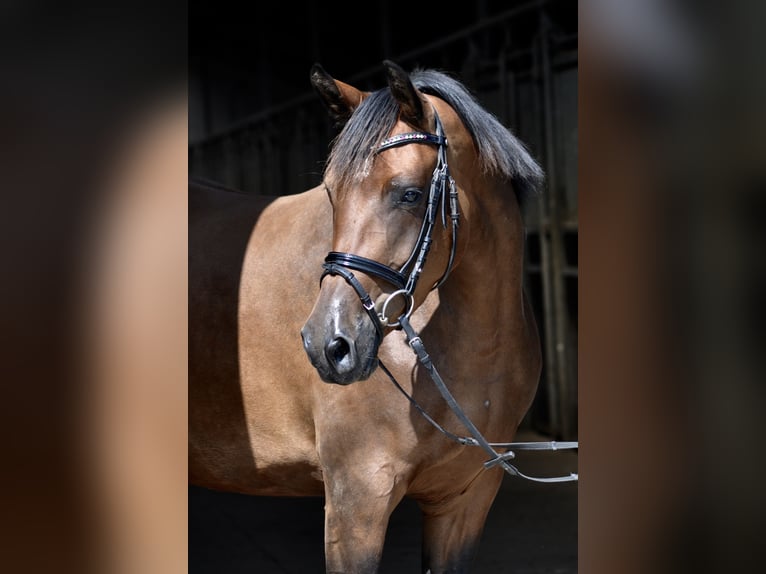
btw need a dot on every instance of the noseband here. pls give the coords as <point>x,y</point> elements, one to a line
<point>406,278</point>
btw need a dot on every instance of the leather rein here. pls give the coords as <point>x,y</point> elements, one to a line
<point>405,280</point>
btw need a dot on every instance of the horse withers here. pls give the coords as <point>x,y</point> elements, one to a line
<point>416,224</point>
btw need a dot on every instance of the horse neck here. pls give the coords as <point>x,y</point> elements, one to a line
<point>488,280</point>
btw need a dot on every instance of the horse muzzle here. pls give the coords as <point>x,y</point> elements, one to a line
<point>341,344</point>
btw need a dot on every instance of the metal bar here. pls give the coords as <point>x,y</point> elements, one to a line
<point>550,371</point>
<point>460,34</point>
<point>557,256</point>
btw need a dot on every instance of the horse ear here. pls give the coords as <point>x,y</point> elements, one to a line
<point>412,105</point>
<point>339,98</point>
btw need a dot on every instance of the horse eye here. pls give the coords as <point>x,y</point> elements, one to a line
<point>410,196</point>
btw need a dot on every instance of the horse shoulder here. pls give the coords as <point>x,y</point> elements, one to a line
<point>256,269</point>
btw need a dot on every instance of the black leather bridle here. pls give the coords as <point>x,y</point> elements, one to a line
<point>406,278</point>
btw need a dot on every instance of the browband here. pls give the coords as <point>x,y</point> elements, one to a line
<point>411,137</point>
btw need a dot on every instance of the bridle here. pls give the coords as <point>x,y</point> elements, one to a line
<point>405,280</point>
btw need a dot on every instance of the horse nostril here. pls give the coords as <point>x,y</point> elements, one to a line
<point>340,354</point>
<point>338,348</point>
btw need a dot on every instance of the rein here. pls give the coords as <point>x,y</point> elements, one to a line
<point>405,280</point>
<point>476,438</point>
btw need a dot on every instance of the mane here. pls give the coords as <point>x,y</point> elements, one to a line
<point>501,154</point>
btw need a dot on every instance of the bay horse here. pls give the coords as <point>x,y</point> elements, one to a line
<point>298,364</point>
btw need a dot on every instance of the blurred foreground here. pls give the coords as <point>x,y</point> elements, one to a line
<point>93,354</point>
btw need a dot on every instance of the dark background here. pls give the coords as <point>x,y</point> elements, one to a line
<point>246,60</point>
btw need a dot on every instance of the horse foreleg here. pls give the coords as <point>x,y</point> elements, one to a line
<point>358,505</point>
<point>452,527</point>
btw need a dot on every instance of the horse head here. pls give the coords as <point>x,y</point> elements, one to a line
<point>388,215</point>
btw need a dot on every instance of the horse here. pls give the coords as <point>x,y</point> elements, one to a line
<point>301,379</point>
